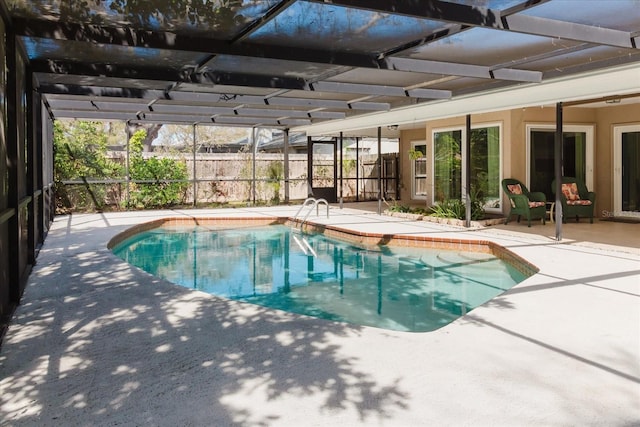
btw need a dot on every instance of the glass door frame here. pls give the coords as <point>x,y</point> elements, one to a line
<point>329,193</point>
<point>431,149</point>
<point>618,130</point>
<point>588,130</point>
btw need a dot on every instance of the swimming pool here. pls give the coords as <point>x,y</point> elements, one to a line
<point>395,288</point>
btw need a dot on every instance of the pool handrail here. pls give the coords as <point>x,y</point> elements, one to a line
<point>300,245</point>
<point>316,204</point>
<point>307,201</point>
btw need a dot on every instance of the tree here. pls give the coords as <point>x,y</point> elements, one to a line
<point>151,131</point>
<point>216,14</point>
<point>80,154</point>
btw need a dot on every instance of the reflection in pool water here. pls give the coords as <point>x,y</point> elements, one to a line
<point>394,288</point>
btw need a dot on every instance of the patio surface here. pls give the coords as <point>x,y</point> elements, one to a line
<point>98,342</point>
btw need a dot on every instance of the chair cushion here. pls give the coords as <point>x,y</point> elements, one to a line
<point>536,204</point>
<point>514,188</point>
<point>570,191</point>
<point>579,202</point>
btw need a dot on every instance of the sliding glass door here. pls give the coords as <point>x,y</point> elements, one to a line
<point>577,156</point>
<point>485,165</point>
<point>626,170</point>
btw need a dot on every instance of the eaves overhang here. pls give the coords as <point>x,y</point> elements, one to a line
<point>622,80</point>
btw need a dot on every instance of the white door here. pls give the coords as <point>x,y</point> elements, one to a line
<point>626,170</point>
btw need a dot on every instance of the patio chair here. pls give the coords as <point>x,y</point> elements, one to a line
<point>576,199</point>
<point>531,205</point>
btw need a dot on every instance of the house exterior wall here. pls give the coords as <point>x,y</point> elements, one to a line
<point>514,147</point>
<point>406,137</point>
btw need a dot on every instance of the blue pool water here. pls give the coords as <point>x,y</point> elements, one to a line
<point>394,288</point>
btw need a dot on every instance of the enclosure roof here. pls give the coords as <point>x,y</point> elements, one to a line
<point>304,63</point>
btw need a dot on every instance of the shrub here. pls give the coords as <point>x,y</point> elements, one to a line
<point>455,208</point>
<point>275,174</point>
<point>165,178</point>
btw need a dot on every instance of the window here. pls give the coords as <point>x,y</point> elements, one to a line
<point>418,155</point>
<point>485,165</point>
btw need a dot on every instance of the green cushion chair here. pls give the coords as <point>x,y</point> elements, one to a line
<point>531,205</point>
<point>576,200</point>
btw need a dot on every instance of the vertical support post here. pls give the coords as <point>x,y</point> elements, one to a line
<point>32,163</point>
<point>127,166</point>
<point>195,179</point>
<point>286,166</point>
<point>13,158</point>
<point>309,167</point>
<point>396,174</point>
<point>466,173</point>
<point>253,167</point>
<point>38,128</point>
<point>341,171</point>
<point>379,170</point>
<point>334,196</point>
<point>286,270</point>
<point>557,163</point>
<point>380,269</point>
<point>357,169</point>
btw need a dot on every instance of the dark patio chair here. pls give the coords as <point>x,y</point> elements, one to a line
<point>577,200</point>
<point>531,205</point>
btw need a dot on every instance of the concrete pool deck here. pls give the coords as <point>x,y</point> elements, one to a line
<point>98,342</point>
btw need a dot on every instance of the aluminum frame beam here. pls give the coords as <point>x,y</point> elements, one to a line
<point>210,98</point>
<point>170,41</point>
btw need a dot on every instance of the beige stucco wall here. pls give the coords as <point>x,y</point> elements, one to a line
<point>406,137</point>
<point>514,127</point>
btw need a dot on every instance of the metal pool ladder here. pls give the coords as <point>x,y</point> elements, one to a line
<point>314,203</point>
<point>303,244</point>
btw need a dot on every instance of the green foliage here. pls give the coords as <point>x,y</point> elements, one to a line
<point>415,154</point>
<point>407,209</point>
<point>400,208</point>
<point>348,166</point>
<point>245,174</point>
<point>455,208</point>
<point>163,178</point>
<point>275,174</point>
<point>449,208</point>
<point>80,151</point>
<point>447,165</point>
<point>80,154</point>
<point>215,14</point>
